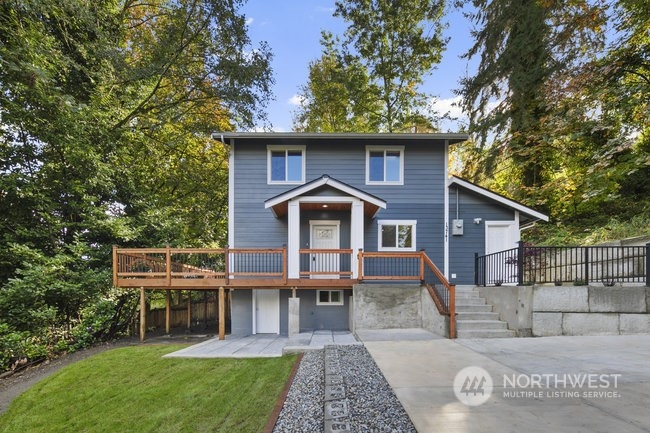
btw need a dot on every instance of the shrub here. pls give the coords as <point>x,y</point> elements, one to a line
<point>18,348</point>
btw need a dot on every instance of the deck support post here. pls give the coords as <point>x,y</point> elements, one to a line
<point>143,313</point>
<point>222,313</point>
<point>168,307</point>
<point>189,309</point>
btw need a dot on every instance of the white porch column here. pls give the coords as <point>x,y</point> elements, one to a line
<point>356,234</point>
<point>293,241</point>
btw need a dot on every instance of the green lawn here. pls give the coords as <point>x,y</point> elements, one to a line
<point>134,389</point>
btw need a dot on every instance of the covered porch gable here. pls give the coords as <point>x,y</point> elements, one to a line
<point>324,195</point>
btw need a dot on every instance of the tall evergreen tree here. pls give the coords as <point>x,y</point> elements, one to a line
<point>523,47</point>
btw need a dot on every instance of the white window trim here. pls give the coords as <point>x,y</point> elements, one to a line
<point>325,304</point>
<point>276,148</point>
<point>399,149</point>
<point>412,223</point>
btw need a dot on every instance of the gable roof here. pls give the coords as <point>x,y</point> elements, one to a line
<point>531,214</point>
<point>278,204</point>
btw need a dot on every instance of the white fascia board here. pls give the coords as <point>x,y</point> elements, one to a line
<point>496,197</point>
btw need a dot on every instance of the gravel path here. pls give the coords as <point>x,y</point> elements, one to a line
<point>355,385</point>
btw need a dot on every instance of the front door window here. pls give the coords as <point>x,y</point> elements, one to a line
<point>325,236</point>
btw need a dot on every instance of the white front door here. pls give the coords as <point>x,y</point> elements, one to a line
<point>325,236</point>
<point>267,311</point>
<point>501,236</point>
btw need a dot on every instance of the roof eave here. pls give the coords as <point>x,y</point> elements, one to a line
<point>452,138</point>
<point>532,213</point>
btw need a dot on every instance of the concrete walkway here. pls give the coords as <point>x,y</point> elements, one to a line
<point>422,372</point>
<point>263,345</point>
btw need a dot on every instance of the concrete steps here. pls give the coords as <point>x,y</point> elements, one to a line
<point>475,318</point>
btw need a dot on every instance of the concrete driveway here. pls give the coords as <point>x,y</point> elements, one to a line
<point>551,384</point>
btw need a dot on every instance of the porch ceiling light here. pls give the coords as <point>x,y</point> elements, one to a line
<point>324,206</point>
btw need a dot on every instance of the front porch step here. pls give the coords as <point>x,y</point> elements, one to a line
<point>467,295</point>
<point>485,333</point>
<point>467,325</point>
<point>474,308</point>
<point>470,301</point>
<point>477,315</point>
<point>476,318</point>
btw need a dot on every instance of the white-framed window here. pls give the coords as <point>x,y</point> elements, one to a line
<point>385,165</point>
<point>397,235</point>
<point>286,164</point>
<point>329,297</point>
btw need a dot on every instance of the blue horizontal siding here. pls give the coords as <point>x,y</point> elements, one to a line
<point>420,198</point>
<point>462,248</point>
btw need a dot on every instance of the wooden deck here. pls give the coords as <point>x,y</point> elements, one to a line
<point>262,268</point>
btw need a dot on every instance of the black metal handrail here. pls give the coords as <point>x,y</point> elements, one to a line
<point>528,264</point>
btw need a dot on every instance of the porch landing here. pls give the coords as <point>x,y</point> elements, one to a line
<point>264,345</point>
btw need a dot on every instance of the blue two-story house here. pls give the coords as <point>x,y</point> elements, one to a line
<point>325,197</point>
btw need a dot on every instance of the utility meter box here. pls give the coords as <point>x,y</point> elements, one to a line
<point>457,227</point>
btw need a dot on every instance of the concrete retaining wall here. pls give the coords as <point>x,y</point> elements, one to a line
<point>590,310</point>
<point>432,320</point>
<point>514,305</point>
<point>572,310</point>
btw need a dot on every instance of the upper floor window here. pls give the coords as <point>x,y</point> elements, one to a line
<point>286,164</point>
<point>385,165</point>
<point>397,235</point>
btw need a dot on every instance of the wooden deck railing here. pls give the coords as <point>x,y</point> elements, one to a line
<point>402,266</point>
<point>325,263</point>
<point>201,268</point>
<point>197,267</point>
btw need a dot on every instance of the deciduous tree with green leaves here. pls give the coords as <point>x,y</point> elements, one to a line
<point>388,48</point>
<point>338,96</point>
<point>105,116</point>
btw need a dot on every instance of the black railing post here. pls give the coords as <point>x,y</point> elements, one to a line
<point>476,269</point>
<point>484,271</point>
<point>586,258</point>
<point>520,263</point>
<point>647,265</point>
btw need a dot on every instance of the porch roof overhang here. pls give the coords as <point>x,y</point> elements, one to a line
<point>528,213</point>
<point>279,203</point>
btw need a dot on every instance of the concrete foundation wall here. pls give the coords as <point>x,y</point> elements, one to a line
<point>544,311</point>
<point>387,306</point>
